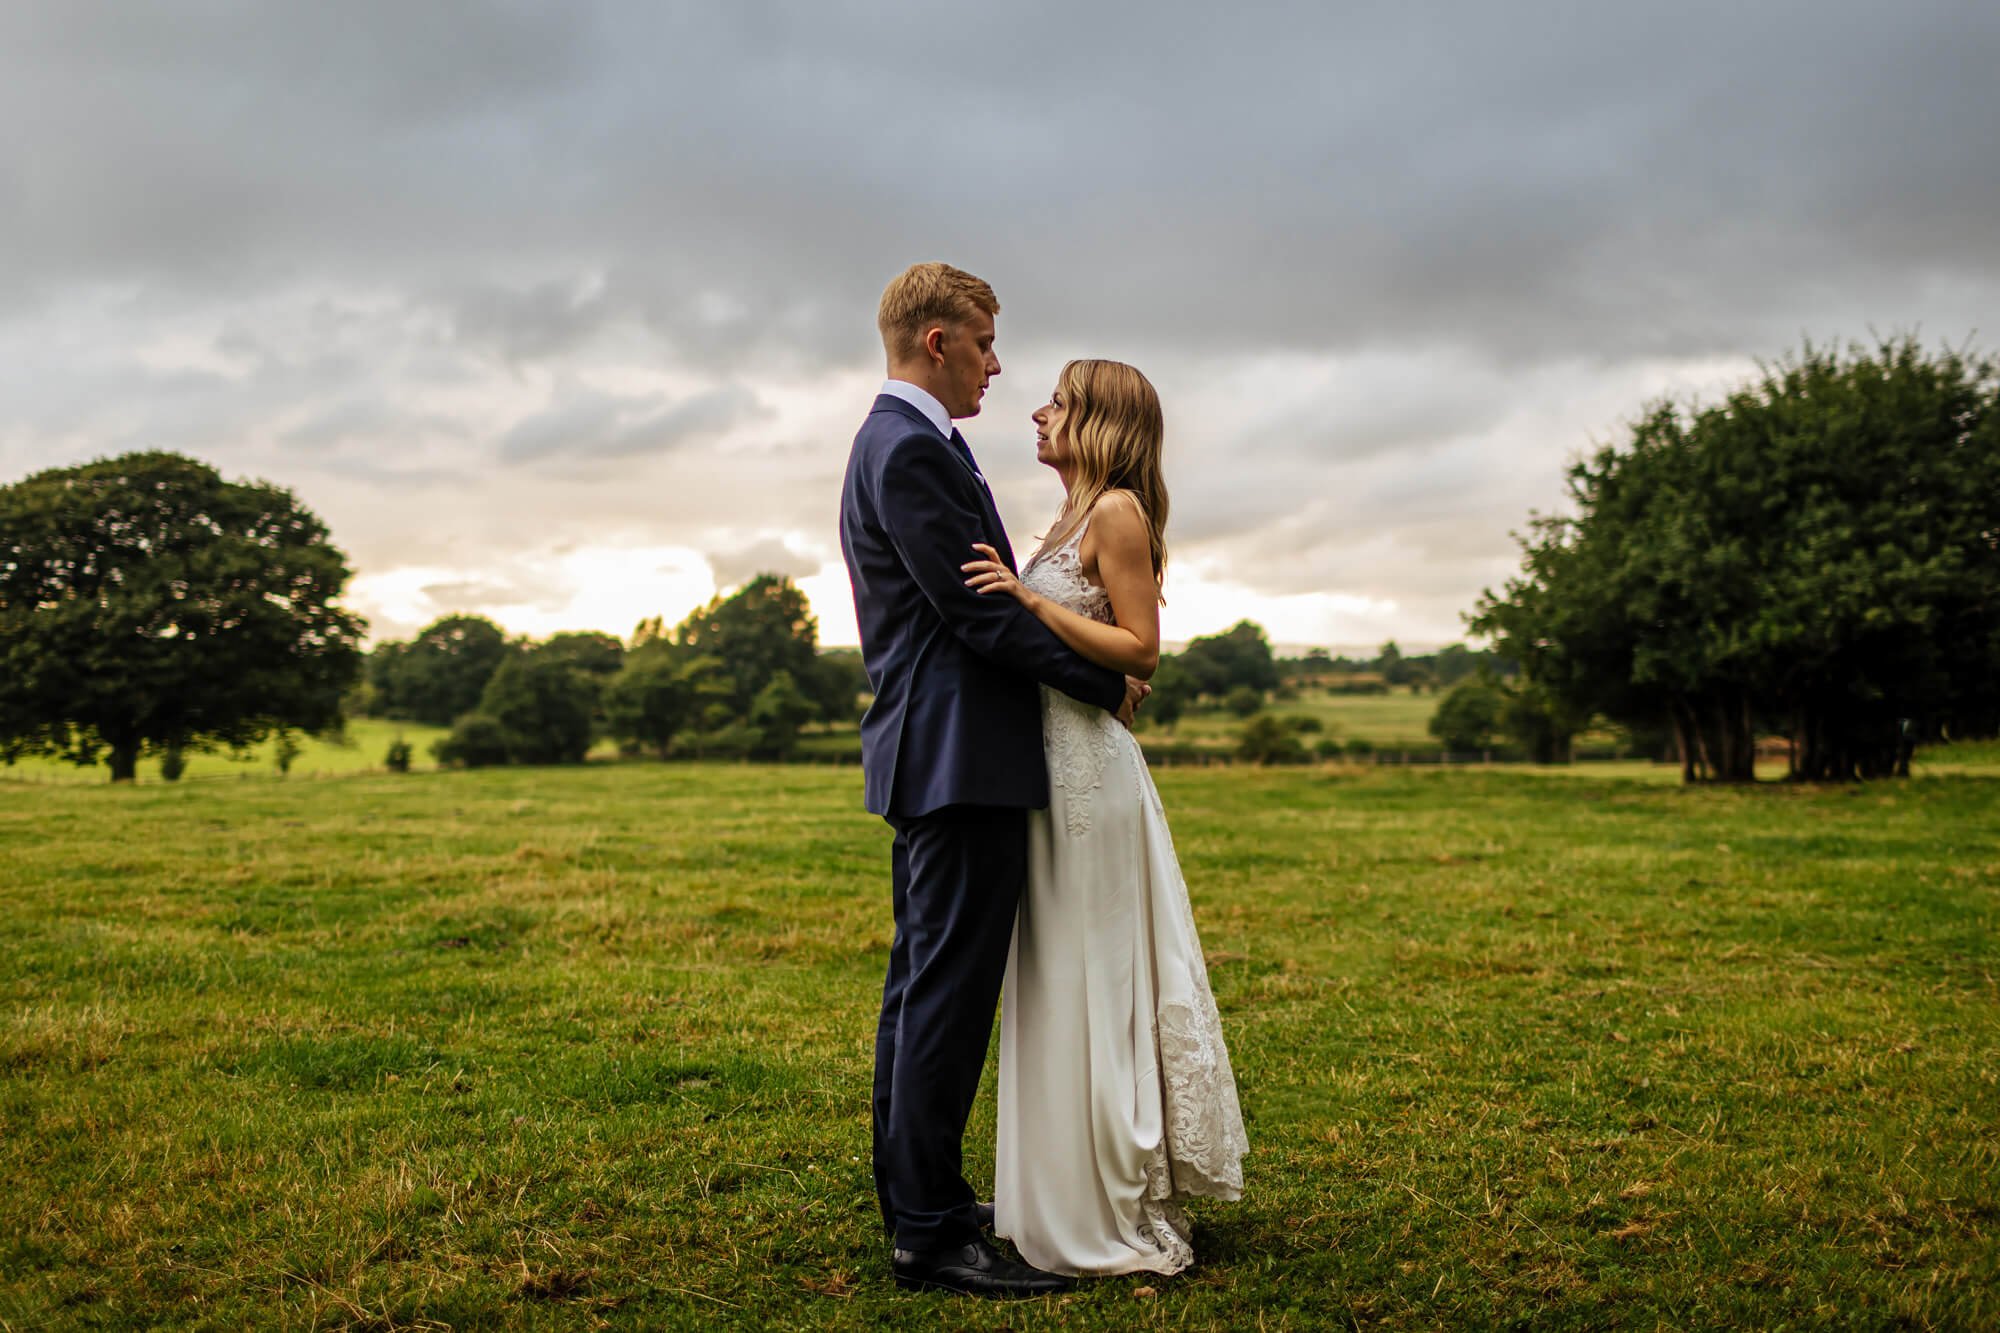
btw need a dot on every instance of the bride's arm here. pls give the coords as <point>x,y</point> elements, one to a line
<point>1125,563</point>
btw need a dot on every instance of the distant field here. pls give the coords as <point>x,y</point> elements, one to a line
<point>582,1048</point>
<point>1389,721</point>
<point>1386,719</point>
<point>364,747</point>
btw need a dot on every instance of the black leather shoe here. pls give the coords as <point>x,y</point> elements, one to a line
<point>974,1270</point>
<point>983,1214</point>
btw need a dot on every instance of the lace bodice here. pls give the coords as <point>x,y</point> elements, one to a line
<point>1058,576</point>
<point>1077,736</point>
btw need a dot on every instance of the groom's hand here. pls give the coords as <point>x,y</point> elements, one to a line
<point>1135,691</point>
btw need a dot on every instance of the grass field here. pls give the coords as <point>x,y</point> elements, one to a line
<point>1398,718</point>
<point>585,1048</point>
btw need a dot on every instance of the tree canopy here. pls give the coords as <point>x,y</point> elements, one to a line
<point>440,674</point>
<point>146,602</point>
<point>1818,554</point>
<point>1239,658</point>
<point>763,628</point>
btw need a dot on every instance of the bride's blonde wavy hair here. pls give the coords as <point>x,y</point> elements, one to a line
<point>1114,430</point>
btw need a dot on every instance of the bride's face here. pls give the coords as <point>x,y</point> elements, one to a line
<point>1051,450</point>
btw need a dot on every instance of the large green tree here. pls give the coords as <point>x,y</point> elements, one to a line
<point>594,653</point>
<point>439,674</point>
<point>661,694</point>
<point>1818,554</point>
<point>764,628</point>
<point>146,603</point>
<point>544,706</point>
<point>1239,658</point>
<point>839,680</point>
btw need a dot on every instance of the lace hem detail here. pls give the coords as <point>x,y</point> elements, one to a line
<point>1164,1225</point>
<point>1205,1142</point>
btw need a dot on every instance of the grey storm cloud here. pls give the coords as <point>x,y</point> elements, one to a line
<point>1525,177</point>
<point>584,424</point>
<point>1390,264</point>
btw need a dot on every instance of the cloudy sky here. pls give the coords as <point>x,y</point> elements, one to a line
<point>563,314</point>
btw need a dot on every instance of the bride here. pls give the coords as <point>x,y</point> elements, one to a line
<point>1116,1097</point>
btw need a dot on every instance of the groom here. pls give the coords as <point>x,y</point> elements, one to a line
<point>952,755</point>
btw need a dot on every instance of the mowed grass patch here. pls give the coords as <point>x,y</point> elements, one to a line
<point>571,1048</point>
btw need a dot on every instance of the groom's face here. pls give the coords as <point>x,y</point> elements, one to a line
<point>969,363</point>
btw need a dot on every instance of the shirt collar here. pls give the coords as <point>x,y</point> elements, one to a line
<point>922,400</point>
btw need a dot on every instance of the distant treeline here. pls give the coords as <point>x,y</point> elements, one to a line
<point>743,677</point>
<point>1235,670</point>
<point>739,678</point>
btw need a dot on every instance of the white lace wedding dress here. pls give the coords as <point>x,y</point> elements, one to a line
<point>1116,1097</point>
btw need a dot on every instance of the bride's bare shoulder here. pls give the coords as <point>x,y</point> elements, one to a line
<point>1120,515</point>
<point>1117,523</point>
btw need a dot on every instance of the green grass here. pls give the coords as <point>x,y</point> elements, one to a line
<point>556,1049</point>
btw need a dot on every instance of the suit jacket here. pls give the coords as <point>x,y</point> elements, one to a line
<point>957,718</point>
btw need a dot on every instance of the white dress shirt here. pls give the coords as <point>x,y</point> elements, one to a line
<point>922,400</point>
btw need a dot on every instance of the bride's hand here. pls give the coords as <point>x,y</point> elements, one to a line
<point>990,574</point>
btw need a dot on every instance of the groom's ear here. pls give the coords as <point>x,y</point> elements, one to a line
<point>934,343</point>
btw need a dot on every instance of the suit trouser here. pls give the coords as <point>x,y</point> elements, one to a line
<point>958,874</point>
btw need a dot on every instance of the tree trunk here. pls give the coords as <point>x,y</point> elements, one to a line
<point>124,761</point>
<point>1746,739</point>
<point>1688,739</point>
<point>1833,752</point>
<point>1808,747</point>
<point>1716,739</point>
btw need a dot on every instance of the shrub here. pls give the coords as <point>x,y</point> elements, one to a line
<point>1165,754</point>
<point>544,708</point>
<point>1469,717</point>
<point>286,750</point>
<point>1360,747</point>
<point>398,758</point>
<point>476,741</point>
<point>1267,740</point>
<point>1328,748</point>
<point>1244,700</point>
<point>172,764</point>
<point>731,740</point>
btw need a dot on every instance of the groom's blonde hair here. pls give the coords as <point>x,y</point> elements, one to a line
<point>924,295</point>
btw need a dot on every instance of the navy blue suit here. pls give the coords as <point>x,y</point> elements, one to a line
<point>951,750</point>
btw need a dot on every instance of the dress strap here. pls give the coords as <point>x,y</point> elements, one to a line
<point>1045,552</point>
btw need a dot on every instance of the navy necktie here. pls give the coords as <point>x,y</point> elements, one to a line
<point>965,452</point>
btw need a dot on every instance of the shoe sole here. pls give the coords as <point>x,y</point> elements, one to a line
<point>930,1284</point>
